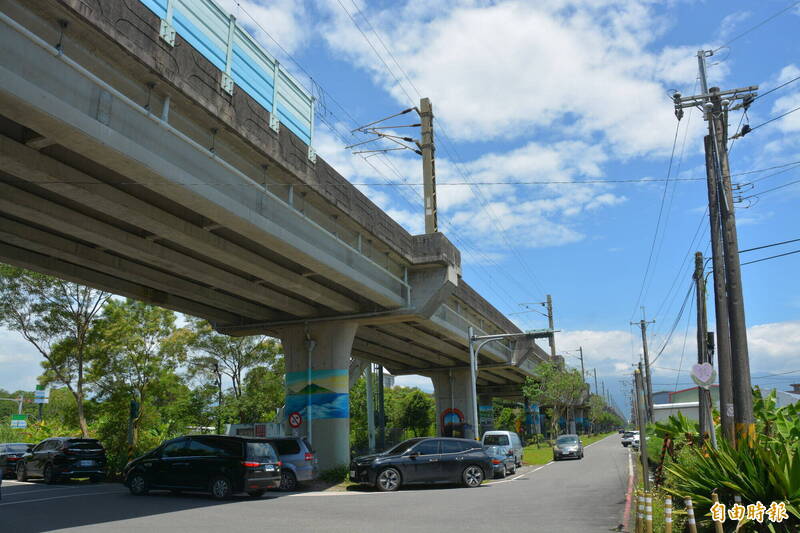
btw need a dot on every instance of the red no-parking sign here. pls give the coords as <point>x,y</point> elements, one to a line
<point>295,419</point>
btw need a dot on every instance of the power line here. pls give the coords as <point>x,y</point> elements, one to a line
<point>771,257</point>
<point>762,193</point>
<point>774,119</point>
<point>781,86</point>
<point>658,221</point>
<point>558,182</point>
<point>753,28</point>
<point>768,245</point>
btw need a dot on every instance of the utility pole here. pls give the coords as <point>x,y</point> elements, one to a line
<point>381,412</point>
<point>583,372</point>
<point>716,105</point>
<point>596,390</point>
<point>702,352</point>
<point>720,302</point>
<point>551,325</point>
<point>642,427</point>
<point>428,165</point>
<point>647,381</point>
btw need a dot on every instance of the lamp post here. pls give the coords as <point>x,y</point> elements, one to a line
<point>482,340</point>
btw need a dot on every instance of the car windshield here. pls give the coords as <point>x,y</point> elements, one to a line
<point>402,447</point>
<point>567,440</point>
<point>495,440</point>
<point>16,448</point>
<point>628,434</point>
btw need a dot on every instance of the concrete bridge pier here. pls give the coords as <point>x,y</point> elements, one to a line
<point>452,390</point>
<point>317,387</point>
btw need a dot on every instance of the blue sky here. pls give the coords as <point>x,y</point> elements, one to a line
<point>562,91</point>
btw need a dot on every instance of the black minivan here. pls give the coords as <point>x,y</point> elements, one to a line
<point>221,465</point>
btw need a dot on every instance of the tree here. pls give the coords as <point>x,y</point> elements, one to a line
<point>137,347</point>
<point>233,355</point>
<point>55,316</point>
<point>417,410</point>
<point>557,388</point>
<point>263,392</point>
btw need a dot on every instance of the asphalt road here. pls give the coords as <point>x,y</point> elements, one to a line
<point>567,496</point>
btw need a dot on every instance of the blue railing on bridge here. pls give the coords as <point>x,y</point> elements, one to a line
<point>216,35</point>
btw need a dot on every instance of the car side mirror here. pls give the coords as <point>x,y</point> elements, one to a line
<point>413,455</point>
<point>510,453</point>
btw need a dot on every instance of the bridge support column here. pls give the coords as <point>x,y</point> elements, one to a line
<point>452,391</point>
<point>317,387</point>
<point>486,413</point>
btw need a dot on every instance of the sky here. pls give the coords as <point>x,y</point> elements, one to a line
<point>574,98</point>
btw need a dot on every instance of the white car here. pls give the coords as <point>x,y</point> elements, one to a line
<point>627,437</point>
<point>635,442</point>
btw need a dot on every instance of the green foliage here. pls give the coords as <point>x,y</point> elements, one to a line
<point>55,316</point>
<point>418,409</point>
<point>766,469</point>
<point>336,475</point>
<point>555,387</point>
<point>507,419</point>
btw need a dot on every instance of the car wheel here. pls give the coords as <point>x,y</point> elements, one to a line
<point>221,488</point>
<point>256,493</point>
<point>22,472</point>
<point>288,480</point>
<point>137,484</point>
<point>504,473</point>
<point>388,480</point>
<point>49,475</point>
<point>513,470</point>
<point>472,476</point>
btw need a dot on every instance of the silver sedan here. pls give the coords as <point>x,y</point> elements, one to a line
<point>568,446</point>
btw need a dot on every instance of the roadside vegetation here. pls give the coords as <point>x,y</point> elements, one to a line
<point>766,469</point>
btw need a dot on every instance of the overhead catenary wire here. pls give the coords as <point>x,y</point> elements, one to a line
<point>322,111</point>
<point>769,245</point>
<point>451,152</point>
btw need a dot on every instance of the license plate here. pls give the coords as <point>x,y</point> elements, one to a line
<point>85,463</point>
<point>352,474</point>
<point>269,468</point>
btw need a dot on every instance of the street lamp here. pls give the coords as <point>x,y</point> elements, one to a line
<point>473,359</point>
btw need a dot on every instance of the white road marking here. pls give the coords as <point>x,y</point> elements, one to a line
<point>62,497</point>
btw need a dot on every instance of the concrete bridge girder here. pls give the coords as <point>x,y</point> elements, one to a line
<point>139,146</point>
<point>35,167</point>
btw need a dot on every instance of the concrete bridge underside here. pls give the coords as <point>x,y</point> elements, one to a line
<point>124,166</point>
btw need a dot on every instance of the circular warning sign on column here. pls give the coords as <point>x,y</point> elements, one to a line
<point>295,419</point>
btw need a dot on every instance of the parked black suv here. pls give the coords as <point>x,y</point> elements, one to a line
<point>60,458</point>
<point>221,465</point>
<point>424,460</point>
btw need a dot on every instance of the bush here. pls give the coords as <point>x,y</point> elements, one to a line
<point>336,475</point>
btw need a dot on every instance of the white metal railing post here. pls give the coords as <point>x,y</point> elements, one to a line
<point>227,80</point>
<point>274,122</point>
<point>312,154</point>
<point>167,30</point>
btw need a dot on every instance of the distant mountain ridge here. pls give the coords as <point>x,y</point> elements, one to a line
<point>313,388</point>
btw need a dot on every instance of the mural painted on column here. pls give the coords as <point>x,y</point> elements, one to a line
<point>327,394</point>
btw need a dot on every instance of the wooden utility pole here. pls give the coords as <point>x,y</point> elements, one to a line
<point>702,352</point>
<point>428,149</point>
<point>642,427</point>
<point>723,344</point>
<point>596,390</point>
<point>716,105</point>
<point>647,388</point>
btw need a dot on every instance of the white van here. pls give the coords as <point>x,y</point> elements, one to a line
<point>505,439</point>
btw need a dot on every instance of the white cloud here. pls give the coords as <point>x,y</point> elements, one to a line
<point>285,20</point>
<point>510,68</point>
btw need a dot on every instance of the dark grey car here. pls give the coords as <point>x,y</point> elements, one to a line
<point>568,446</point>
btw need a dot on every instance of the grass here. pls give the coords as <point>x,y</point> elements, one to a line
<point>543,453</point>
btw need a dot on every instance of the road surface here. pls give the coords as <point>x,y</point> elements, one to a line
<point>565,497</point>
